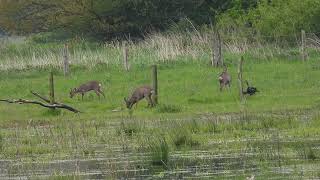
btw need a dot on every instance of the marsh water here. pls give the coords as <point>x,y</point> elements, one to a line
<point>270,157</point>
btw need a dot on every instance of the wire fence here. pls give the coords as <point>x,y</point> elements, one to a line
<point>157,48</point>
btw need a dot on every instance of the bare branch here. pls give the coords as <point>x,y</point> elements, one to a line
<point>41,97</point>
<point>51,106</point>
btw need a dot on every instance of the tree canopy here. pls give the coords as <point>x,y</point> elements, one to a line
<point>108,19</point>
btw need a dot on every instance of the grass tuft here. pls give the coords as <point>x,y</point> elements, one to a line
<point>182,137</point>
<point>129,128</point>
<point>159,149</point>
<point>168,108</point>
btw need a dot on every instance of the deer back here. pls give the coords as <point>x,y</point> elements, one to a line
<point>141,92</point>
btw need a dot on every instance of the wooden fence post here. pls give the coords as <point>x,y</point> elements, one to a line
<point>303,45</point>
<point>51,88</point>
<point>217,50</point>
<point>65,60</point>
<point>125,57</point>
<point>155,83</point>
<point>240,79</point>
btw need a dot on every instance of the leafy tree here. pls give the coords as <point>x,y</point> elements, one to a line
<point>273,17</point>
<point>105,18</point>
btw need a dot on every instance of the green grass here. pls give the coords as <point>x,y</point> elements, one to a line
<point>184,89</point>
<point>279,125</point>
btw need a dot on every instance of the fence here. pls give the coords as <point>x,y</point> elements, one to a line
<point>159,48</point>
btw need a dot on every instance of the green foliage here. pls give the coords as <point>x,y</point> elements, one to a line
<point>105,19</point>
<point>108,19</point>
<point>273,18</point>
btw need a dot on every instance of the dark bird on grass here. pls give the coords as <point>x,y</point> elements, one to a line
<point>250,89</point>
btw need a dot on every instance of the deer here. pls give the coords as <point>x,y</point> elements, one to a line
<point>139,94</point>
<point>224,78</point>
<point>250,90</point>
<point>86,87</point>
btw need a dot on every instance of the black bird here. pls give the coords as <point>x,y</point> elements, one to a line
<point>250,90</point>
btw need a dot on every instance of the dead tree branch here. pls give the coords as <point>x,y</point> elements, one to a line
<point>41,97</point>
<point>51,106</point>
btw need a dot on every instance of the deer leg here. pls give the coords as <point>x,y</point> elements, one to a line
<point>99,90</point>
<point>82,94</point>
<point>97,93</point>
<point>136,105</point>
<point>151,100</point>
<point>221,86</point>
<point>150,104</point>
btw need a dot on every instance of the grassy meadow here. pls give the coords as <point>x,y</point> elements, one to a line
<point>196,131</point>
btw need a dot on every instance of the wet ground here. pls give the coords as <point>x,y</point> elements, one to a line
<point>271,157</point>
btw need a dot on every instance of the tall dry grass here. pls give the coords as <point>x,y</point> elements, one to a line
<point>19,53</point>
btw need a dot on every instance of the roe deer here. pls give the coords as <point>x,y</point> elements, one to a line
<point>86,87</point>
<point>139,94</point>
<point>250,90</point>
<point>224,78</point>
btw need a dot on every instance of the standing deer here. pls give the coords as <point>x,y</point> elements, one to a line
<point>86,87</point>
<point>224,78</point>
<point>139,94</point>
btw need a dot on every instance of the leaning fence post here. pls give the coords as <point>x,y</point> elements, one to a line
<point>51,88</point>
<point>155,83</point>
<point>240,79</point>
<point>217,50</point>
<point>125,57</point>
<point>65,60</point>
<point>303,45</point>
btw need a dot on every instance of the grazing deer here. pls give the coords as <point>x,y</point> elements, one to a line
<point>250,90</point>
<point>86,87</point>
<point>224,78</point>
<point>139,94</point>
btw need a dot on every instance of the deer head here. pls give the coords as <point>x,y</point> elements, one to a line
<point>129,103</point>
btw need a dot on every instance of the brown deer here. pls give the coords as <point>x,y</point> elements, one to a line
<point>224,78</point>
<point>86,87</point>
<point>139,94</point>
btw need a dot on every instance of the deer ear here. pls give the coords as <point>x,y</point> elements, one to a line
<point>125,99</point>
